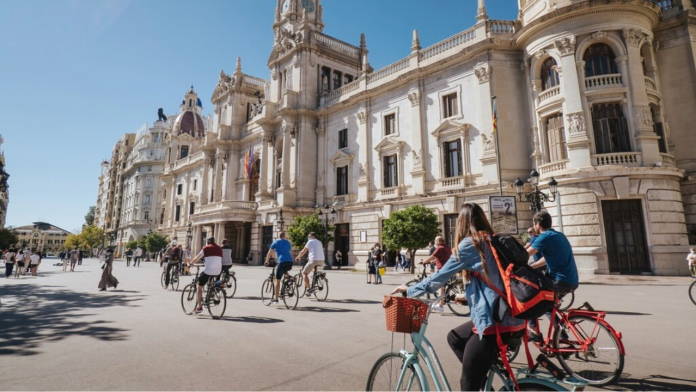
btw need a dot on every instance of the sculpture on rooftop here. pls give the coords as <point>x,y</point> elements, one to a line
<point>160,113</point>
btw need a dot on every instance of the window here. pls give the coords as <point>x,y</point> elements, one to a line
<point>148,183</point>
<point>343,138</point>
<point>149,168</point>
<point>453,158</point>
<point>162,217</point>
<point>348,78</point>
<point>184,152</point>
<point>549,74</point>
<point>659,130</point>
<point>192,208</point>
<point>610,129</point>
<point>195,184</point>
<point>390,175</point>
<point>179,188</point>
<point>152,152</point>
<point>325,74</point>
<point>337,76</point>
<point>156,137</point>
<point>390,124</point>
<point>599,60</point>
<point>555,137</point>
<point>177,213</point>
<point>449,105</point>
<point>147,199</point>
<point>342,180</point>
<point>146,215</point>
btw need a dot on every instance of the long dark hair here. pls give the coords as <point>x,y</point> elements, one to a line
<point>472,222</point>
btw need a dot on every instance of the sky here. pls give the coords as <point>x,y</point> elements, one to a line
<point>78,74</point>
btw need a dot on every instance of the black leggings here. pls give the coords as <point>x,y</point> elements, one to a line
<point>476,355</point>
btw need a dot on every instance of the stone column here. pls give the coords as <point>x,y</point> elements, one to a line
<point>418,171</point>
<point>185,206</point>
<point>322,173</point>
<point>217,175</point>
<point>263,176</point>
<point>196,243</point>
<point>488,158</point>
<point>232,172</point>
<point>364,166</point>
<point>172,203</point>
<point>205,194</point>
<point>287,144</point>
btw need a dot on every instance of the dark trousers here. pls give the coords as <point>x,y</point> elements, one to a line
<point>476,355</point>
<point>128,259</point>
<point>169,268</point>
<point>558,288</point>
<point>136,261</point>
<point>8,269</point>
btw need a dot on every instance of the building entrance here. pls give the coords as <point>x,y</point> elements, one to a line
<point>627,251</point>
<point>238,235</point>
<point>342,242</point>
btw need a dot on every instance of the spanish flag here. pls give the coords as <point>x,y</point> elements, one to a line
<point>247,166</point>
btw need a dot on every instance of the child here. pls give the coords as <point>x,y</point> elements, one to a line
<point>691,260</point>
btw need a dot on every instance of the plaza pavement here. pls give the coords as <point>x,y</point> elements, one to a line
<point>59,333</point>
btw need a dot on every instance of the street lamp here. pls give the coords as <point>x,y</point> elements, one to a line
<point>280,222</point>
<point>147,253</point>
<point>326,214</point>
<point>537,198</point>
<point>112,238</point>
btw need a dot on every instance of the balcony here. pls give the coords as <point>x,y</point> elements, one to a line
<point>549,94</point>
<point>668,160</point>
<point>626,159</point>
<point>451,183</point>
<point>340,200</point>
<point>389,193</point>
<point>553,167</point>
<point>650,84</point>
<point>603,81</point>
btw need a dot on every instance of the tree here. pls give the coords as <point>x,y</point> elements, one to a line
<point>300,228</point>
<point>75,240</point>
<point>8,238</point>
<point>411,228</point>
<point>89,218</point>
<point>155,242</point>
<point>132,245</point>
<point>93,236</point>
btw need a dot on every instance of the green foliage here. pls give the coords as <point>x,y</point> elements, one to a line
<point>142,242</point>
<point>132,245</point>
<point>7,238</point>
<point>155,242</point>
<point>301,227</point>
<point>89,218</point>
<point>411,228</point>
<point>92,236</point>
<point>74,240</point>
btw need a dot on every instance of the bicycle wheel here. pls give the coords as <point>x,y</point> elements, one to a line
<point>174,281</point>
<point>164,276</point>
<point>414,282</point>
<point>692,292</point>
<point>230,286</point>
<point>290,293</point>
<point>188,298</point>
<point>456,308</point>
<point>321,290</point>
<point>602,363</point>
<point>267,291</point>
<point>385,374</point>
<point>216,302</point>
<point>567,301</point>
<point>301,288</point>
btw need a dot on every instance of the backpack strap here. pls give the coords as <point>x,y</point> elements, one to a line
<point>502,347</point>
<point>530,362</point>
<point>500,293</point>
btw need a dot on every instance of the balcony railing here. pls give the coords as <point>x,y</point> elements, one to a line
<point>618,159</point>
<point>549,93</point>
<point>611,80</point>
<point>553,167</point>
<point>668,160</point>
<point>242,205</point>
<point>649,83</point>
<point>449,43</point>
<point>389,193</point>
<point>500,27</point>
<point>452,182</point>
<point>388,70</point>
<point>342,199</point>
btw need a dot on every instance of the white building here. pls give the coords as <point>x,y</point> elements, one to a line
<point>4,192</point>
<point>100,208</point>
<point>584,90</point>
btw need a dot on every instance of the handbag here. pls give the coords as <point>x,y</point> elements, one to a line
<point>382,270</point>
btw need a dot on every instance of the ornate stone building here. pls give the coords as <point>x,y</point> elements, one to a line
<point>4,192</point>
<point>584,91</point>
<point>41,236</point>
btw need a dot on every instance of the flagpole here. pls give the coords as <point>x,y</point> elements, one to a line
<point>497,142</point>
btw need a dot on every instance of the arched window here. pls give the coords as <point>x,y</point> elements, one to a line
<point>549,74</point>
<point>555,138</point>
<point>599,60</point>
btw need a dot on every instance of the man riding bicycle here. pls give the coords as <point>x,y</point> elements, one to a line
<point>316,258</point>
<point>173,262</point>
<point>212,256</point>
<point>226,258</point>
<point>282,248</point>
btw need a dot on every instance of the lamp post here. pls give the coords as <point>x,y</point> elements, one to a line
<point>326,215</point>
<point>147,252</point>
<point>112,238</point>
<point>280,222</point>
<point>537,198</point>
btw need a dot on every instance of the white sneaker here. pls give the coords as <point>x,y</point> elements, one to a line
<point>438,308</point>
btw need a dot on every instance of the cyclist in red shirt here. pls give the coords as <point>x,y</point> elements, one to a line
<point>212,255</point>
<point>440,256</point>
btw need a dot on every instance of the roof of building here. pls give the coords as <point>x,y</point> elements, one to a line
<point>189,122</point>
<point>43,226</point>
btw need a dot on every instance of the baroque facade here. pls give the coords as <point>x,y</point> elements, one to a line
<point>41,236</point>
<point>594,93</point>
<point>4,192</point>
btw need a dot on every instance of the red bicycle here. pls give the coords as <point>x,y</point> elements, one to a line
<point>584,343</point>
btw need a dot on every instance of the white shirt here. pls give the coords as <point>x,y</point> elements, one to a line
<point>8,257</point>
<point>316,250</point>
<point>35,259</point>
<point>138,252</point>
<point>19,257</point>
<point>689,258</point>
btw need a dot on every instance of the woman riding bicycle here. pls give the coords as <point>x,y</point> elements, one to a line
<point>475,258</point>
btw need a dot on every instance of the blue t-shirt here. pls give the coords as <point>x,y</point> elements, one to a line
<point>282,248</point>
<point>559,256</point>
<point>537,255</point>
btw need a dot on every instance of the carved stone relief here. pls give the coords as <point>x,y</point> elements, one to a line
<point>566,46</point>
<point>483,72</point>
<point>632,37</point>
<point>362,116</point>
<point>576,123</point>
<point>414,97</point>
<point>642,113</point>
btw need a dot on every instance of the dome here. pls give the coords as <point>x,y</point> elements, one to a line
<point>191,123</point>
<point>199,103</point>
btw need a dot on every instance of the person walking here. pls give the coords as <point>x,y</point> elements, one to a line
<point>35,260</point>
<point>9,262</point>
<point>74,255</point>
<point>339,259</point>
<point>20,258</point>
<point>129,257</point>
<point>378,261</point>
<point>137,256</point>
<point>107,278</point>
<point>79,256</point>
<point>691,261</point>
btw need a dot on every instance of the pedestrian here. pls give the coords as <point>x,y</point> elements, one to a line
<point>378,261</point>
<point>34,263</point>
<point>27,261</point>
<point>431,250</point>
<point>74,256</point>
<point>371,271</point>
<point>188,256</point>
<point>339,259</point>
<point>107,278</point>
<point>65,257</point>
<point>79,256</point>
<point>226,258</point>
<point>9,262</point>
<point>691,260</point>
<point>20,259</point>
<point>129,256</point>
<point>439,257</point>
<point>137,256</point>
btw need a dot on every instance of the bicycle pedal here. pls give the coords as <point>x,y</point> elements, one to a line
<point>557,372</point>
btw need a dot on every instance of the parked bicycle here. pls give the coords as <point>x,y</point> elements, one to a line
<point>402,371</point>
<point>289,291</point>
<point>173,278</point>
<point>319,285</point>
<point>213,297</point>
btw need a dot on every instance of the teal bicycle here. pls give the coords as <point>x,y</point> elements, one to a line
<point>403,370</point>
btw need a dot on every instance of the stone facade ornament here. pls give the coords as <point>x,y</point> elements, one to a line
<point>483,72</point>
<point>576,123</point>
<point>565,45</point>
<point>415,42</point>
<point>632,37</point>
<point>362,116</point>
<point>481,11</point>
<point>642,113</point>
<point>417,156</point>
<point>540,53</point>
<point>274,74</point>
<point>598,35</point>
<point>666,127</point>
<point>362,169</point>
<point>488,144</point>
<point>414,97</point>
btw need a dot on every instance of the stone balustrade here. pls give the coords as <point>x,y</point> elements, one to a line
<point>553,167</point>
<point>649,83</point>
<point>666,5</point>
<point>338,200</point>
<point>255,81</point>
<point>335,95</point>
<point>241,205</point>
<point>549,93</point>
<point>388,70</point>
<point>668,160</point>
<point>388,193</point>
<point>494,27</point>
<point>335,43</point>
<point>452,182</point>
<point>618,159</point>
<point>610,80</point>
<point>449,43</point>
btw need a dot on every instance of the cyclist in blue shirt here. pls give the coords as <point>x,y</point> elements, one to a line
<point>282,248</point>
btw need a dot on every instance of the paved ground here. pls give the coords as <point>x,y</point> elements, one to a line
<point>59,333</point>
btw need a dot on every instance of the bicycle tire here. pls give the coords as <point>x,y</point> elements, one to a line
<point>301,287</point>
<point>567,301</point>
<point>174,281</point>
<point>585,365</point>
<point>290,293</point>
<point>321,289</point>
<point>267,291</point>
<point>231,286</point>
<point>164,274</point>
<point>385,373</point>
<point>414,282</point>
<point>188,298</point>
<point>458,309</point>
<point>216,302</point>
<point>692,292</point>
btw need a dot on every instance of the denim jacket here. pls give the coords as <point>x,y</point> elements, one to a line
<point>480,296</point>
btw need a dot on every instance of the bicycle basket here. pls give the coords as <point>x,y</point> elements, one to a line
<point>404,315</point>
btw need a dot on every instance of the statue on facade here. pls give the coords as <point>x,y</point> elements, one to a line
<point>160,114</point>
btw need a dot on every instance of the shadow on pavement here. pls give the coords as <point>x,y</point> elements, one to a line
<point>38,314</point>
<point>353,301</point>
<point>249,298</point>
<point>653,383</point>
<point>253,319</point>
<point>325,310</point>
